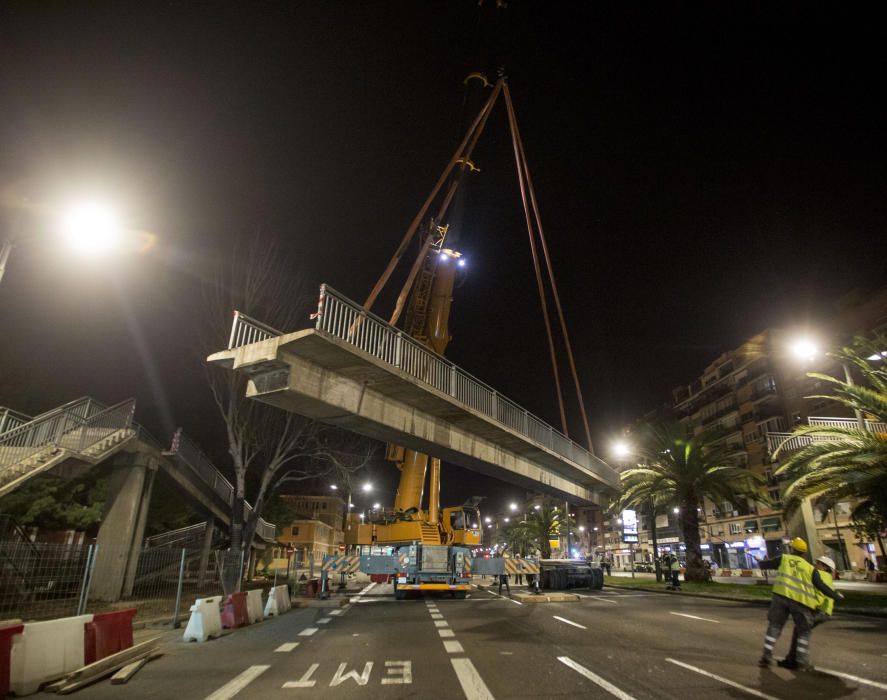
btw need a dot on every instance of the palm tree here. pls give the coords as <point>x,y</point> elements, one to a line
<point>516,538</point>
<point>540,525</point>
<point>677,470</point>
<point>838,462</point>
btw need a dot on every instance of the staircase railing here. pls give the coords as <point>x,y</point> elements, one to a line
<point>192,456</point>
<point>246,330</point>
<point>59,428</point>
<point>10,419</point>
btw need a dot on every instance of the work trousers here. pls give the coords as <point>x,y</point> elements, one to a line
<point>504,579</point>
<point>818,619</point>
<point>780,610</point>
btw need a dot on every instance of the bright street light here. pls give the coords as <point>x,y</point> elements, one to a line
<point>367,487</point>
<point>804,349</point>
<point>507,520</point>
<point>621,449</point>
<point>488,519</point>
<point>334,487</point>
<point>537,507</point>
<point>513,506</point>
<point>582,528</point>
<point>376,506</point>
<point>90,227</point>
<point>676,510</point>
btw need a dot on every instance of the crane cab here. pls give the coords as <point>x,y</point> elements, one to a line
<point>461,525</point>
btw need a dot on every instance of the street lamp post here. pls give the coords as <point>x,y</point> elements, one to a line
<point>655,541</point>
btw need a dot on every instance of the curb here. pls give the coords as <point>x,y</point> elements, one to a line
<point>866,612</point>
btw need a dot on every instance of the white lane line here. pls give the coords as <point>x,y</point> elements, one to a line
<point>436,616</point>
<point>238,683</point>
<point>595,678</point>
<point>510,600</point>
<point>308,631</point>
<point>446,633</point>
<point>570,622</point>
<point>597,598</point>
<point>694,617</point>
<point>727,681</point>
<point>857,679</point>
<point>441,623</point>
<point>324,620</point>
<point>472,684</point>
<point>289,646</point>
<point>453,647</point>
<point>336,612</point>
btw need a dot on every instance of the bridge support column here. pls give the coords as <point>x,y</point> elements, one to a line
<point>207,548</point>
<point>123,526</point>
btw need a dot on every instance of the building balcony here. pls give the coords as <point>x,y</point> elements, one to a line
<point>789,442</point>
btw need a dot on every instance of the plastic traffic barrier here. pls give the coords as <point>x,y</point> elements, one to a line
<point>205,621</point>
<point>235,614</point>
<point>254,605</point>
<point>278,601</point>
<point>7,632</point>
<point>108,633</point>
<point>283,598</point>
<point>46,650</point>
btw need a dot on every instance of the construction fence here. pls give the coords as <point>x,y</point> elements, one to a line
<point>46,580</point>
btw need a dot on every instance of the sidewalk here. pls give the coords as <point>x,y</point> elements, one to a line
<point>841,585</point>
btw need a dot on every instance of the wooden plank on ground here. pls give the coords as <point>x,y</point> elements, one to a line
<point>128,671</point>
<point>126,656</point>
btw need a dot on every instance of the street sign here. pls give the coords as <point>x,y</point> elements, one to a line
<point>629,526</point>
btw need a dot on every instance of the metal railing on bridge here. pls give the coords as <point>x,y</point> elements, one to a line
<point>346,320</point>
<point>75,426</point>
<point>789,442</point>
<point>10,419</point>
<point>192,456</point>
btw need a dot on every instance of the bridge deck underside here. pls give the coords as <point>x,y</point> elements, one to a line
<point>327,379</point>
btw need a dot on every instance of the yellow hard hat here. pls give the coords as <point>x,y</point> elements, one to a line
<point>799,544</point>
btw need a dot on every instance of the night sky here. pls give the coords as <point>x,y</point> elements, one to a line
<point>703,173</point>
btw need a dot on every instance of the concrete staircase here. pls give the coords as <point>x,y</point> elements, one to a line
<point>84,430</point>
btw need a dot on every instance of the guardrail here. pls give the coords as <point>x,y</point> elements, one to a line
<point>246,330</point>
<point>10,419</point>
<point>872,426</point>
<point>342,318</point>
<point>192,456</point>
<point>789,442</point>
<point>61,424</point>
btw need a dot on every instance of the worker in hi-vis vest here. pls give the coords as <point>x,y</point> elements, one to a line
<point>795,594</point>
<point>826,567</point>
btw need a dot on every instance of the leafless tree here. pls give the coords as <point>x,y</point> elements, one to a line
<point>267,445</point>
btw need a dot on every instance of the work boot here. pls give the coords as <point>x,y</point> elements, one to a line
<point>787,663</point>
<point>764,662</point>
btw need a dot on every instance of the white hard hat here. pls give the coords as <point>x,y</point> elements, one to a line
<point>828,561</point>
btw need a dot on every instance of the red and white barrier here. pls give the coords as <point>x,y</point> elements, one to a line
<point>46,650</point>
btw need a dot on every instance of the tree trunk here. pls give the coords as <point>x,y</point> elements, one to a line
<point>695,570</point>
<point>233,557</point>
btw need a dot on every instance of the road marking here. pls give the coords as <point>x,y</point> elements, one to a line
<point>727,681</point>
<point>857,679</point>
<point>597,598</point>
<point>594,678</point>
<point>441,623</point>
<point>453,647</point>
<point>472,684</point>
<point>436,616</point>
<point>289,646</point>
<point>402,672</point>
<point>305,681</point>
<point>695,617</point>
<point>570,622</point>
<point>307,632</point>
<point>446,633</point>
<point>238,683</point>
<point>361,679</point>
<point>510,600</point>
<point>335,612</point>
<point>324,620</point>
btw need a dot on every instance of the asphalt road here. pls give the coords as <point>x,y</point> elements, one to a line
<point>622,644</point>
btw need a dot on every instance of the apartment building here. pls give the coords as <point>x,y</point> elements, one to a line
<point>755,394</point>
<point>316,531</point>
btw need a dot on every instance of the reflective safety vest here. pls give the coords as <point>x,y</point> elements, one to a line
<point>675,565</point>
<point>826,604</point>
<point>794,580</point>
